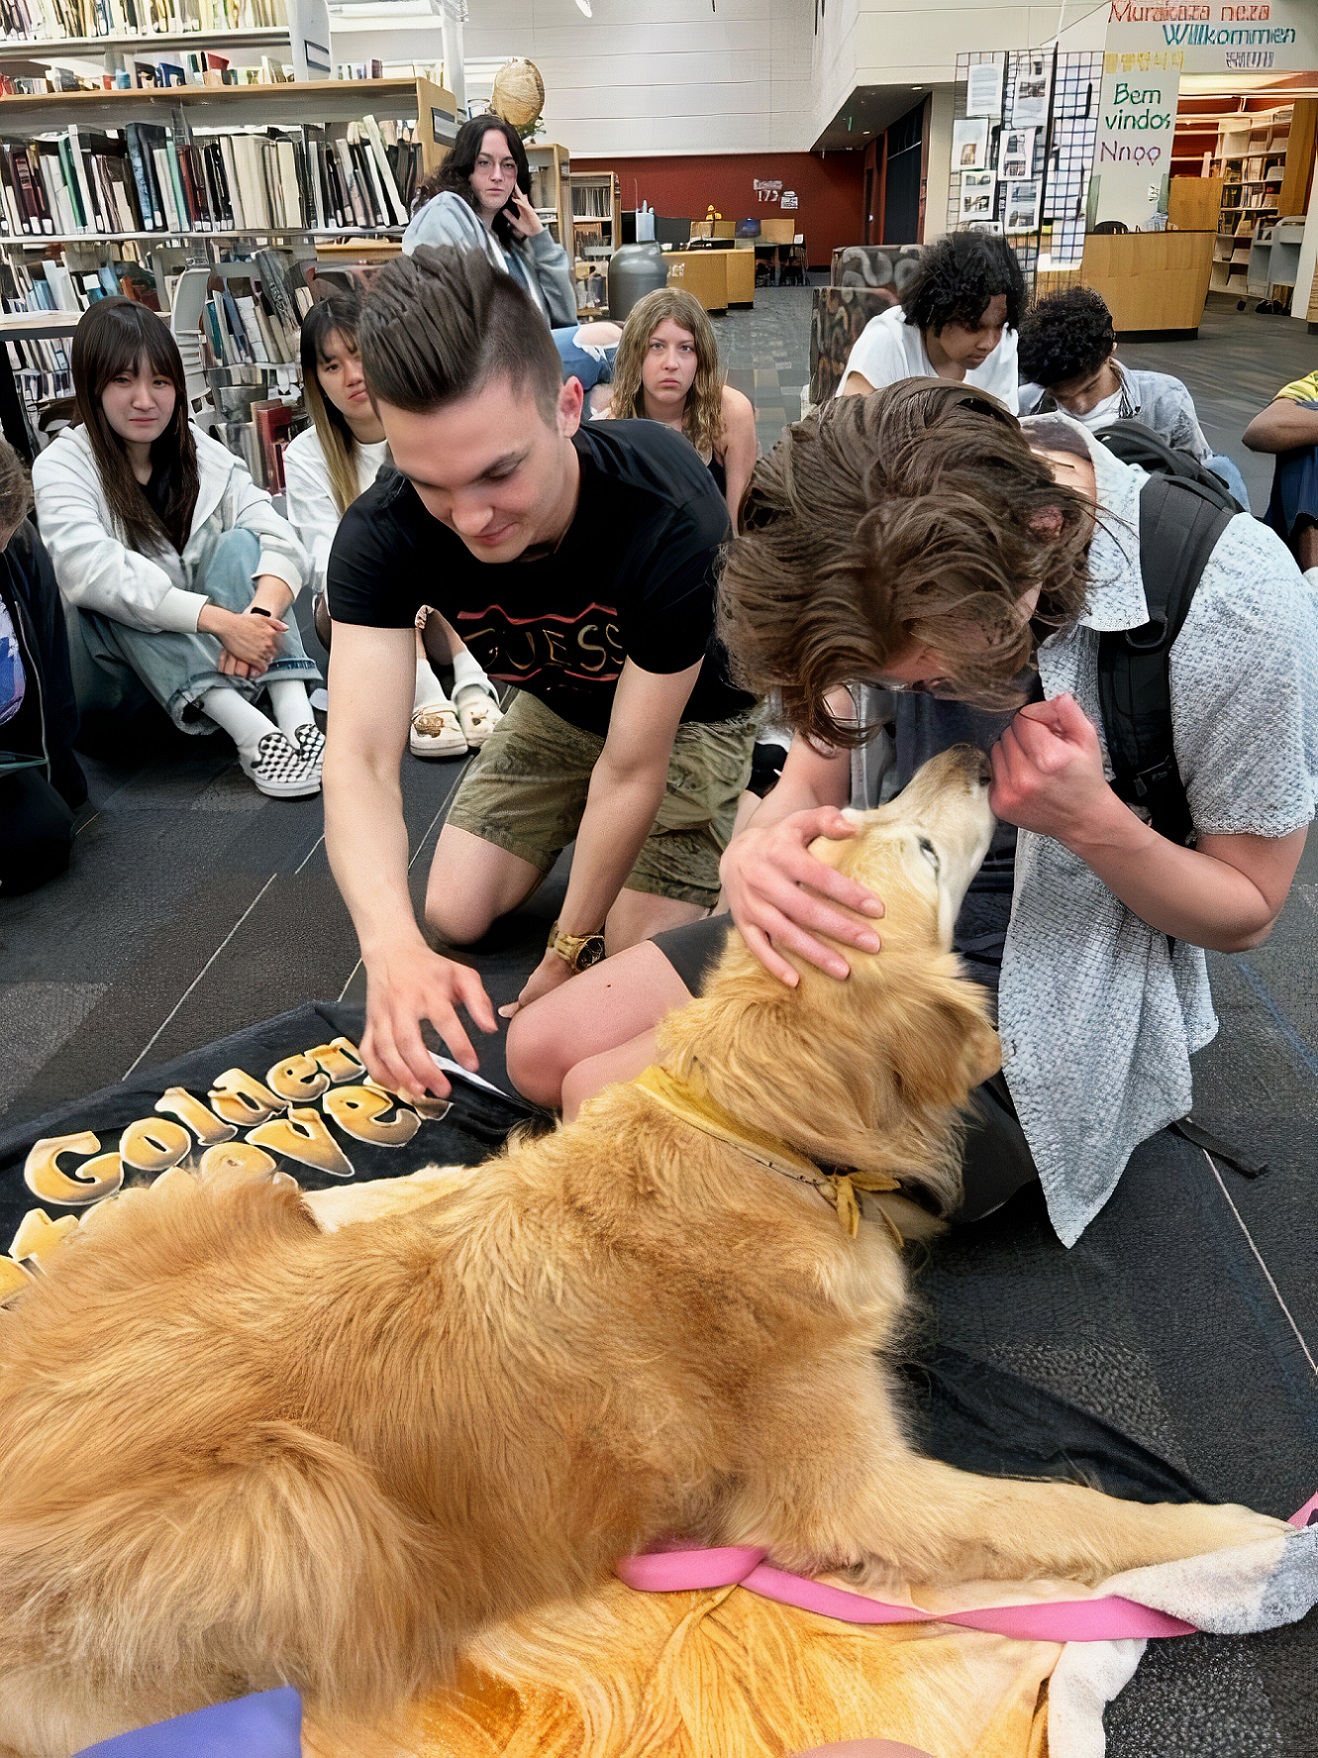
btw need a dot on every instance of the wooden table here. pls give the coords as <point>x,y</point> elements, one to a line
<point>1154,282</point>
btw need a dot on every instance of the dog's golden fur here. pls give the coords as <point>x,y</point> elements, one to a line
<point>238,1450</point>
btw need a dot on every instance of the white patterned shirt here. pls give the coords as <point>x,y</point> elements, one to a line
<point>1100,1013</point>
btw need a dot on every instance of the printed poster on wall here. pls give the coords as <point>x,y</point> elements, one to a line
<point>970,144</point>
<point>984,88</point>
<point>977,193</point>
<point>1034,74</point>
<point>1021,213</point>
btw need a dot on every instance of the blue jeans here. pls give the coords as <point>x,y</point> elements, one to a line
<point>592,364</point>
<point>116,668</point>
<point>1229,471</point>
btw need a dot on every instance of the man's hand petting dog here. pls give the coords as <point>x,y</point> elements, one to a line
<point>779,892</point>
<point>1048,772</point>
<point>401,993</point>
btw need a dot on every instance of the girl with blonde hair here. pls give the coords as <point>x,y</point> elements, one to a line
<point>667,370</point>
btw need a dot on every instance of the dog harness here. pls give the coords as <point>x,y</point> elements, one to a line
<point>692,1105</point>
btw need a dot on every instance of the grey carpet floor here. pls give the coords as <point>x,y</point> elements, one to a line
<point>1189,1313</point>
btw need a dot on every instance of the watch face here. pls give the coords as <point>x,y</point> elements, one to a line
<point>591,952</point>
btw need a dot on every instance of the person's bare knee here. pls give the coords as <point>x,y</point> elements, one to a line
<point>472,883</point>
<point>536,1056</point>
<point>589,1018</point>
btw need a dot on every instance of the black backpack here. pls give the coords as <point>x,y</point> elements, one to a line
<point>1184,509</point>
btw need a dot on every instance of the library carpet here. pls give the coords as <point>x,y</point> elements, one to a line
<point>1187,1317</point>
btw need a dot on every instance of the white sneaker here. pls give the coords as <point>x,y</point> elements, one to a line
<point>478,713</point>
<point>436,733</point>
<point>278,768</point>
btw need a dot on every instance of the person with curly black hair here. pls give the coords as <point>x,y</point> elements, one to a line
<point>958,321</point>
<point>1068,361</point>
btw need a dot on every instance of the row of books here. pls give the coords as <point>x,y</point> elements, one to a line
<point>254,319</point>
<point>50,20</point>
<point>52,284</point>
<point>142,178</point>
<point>191,68</point>
<point>592,201</point>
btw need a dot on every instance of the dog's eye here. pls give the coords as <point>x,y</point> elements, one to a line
<point>930,854</point>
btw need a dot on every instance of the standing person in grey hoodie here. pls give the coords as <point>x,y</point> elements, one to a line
<point>480,199</point>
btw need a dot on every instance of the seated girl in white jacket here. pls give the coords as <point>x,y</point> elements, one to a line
<point>325,468</point>
<point>176,571</point>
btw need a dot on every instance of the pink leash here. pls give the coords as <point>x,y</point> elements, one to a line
<point>1067,1620</point>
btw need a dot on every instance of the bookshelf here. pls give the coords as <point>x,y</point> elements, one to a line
<point>1250,159</point>
<point>213,39</point>
<point>103,191</point>
<point>551,188</point>
<point>596,215</point>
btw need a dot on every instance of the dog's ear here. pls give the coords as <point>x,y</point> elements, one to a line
<point>949,1045</point>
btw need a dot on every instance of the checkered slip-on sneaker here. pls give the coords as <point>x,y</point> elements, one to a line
<point>311,742</point>
<point>279,769</point>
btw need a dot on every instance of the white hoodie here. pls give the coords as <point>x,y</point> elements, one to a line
<point>153,592</point>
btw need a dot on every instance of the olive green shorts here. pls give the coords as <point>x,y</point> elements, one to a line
<point>526,792</point>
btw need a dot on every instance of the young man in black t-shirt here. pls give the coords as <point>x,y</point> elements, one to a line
<point>575,563</point>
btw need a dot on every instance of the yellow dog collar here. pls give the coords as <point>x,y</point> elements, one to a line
<point>693,1106</point>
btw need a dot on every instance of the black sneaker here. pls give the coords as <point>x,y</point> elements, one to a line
<point>279,769</point>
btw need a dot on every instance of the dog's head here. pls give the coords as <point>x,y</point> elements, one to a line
<point>868,1072</point>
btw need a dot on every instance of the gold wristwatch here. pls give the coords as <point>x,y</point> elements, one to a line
<point>578,950</point>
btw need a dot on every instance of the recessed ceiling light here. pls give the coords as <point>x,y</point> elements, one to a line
<point>584,6</point>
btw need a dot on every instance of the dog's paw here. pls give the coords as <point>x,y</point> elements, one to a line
<point>1225,1527</point>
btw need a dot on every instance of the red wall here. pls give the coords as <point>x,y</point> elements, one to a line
<point>829,189</point>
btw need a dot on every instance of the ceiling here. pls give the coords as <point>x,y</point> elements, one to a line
<point>867,112</point>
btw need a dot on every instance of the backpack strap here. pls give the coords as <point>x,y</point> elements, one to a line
<point>1179,529</point>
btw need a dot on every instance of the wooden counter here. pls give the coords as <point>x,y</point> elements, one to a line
<point>701,272</point>
<point>1152,281</point>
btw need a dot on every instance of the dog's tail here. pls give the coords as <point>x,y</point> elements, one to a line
<point>282,1561</point>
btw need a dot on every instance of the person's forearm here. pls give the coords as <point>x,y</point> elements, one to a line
<point>620,812</point>
<point>1284,426</point>
<point>272,594</point>
<point>1179,891</point>
<point>366,840</point>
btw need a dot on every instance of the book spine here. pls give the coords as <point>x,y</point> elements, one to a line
<point>137,160</point>
<point>70,182</point>
<point>84,180</point>
<point>233,189</point>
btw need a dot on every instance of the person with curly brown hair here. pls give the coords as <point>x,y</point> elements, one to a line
<point>924,544</point>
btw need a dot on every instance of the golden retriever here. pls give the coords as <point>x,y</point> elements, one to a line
<point>239,1450</point>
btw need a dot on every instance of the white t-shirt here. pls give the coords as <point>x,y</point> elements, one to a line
<point>889,350</point>
<point>312,510</point>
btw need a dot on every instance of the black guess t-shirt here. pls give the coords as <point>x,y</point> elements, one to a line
<point>632,579</point>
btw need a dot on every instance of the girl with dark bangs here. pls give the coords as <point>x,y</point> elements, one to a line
<point>177,571</point>
<point>325,468</point>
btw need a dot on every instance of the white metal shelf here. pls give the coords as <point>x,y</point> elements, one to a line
<point>46,50</point>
